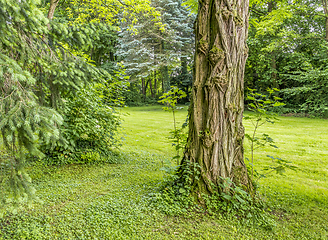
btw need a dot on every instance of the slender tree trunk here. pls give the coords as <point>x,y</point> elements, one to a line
<point>325,9</point>
<point>155,82</point>
<point>53,5</point>
<point>216,133</point>
<point>146,86</point>
<point>184,73</point>
<point>184,66</point>
<point>166,78</point>
<point>143,88</point>
<point>272,6</point>
<point>151,87</point>
<point>145,91</point>
<point>163,85</point>
<point>54,90</point>
<point>274,75</point>
<point>165,71</point>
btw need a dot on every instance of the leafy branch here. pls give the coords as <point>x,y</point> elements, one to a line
<point>261,105</point>
<point>171,98</point>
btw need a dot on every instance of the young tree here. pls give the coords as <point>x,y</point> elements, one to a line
<point>216,133</point>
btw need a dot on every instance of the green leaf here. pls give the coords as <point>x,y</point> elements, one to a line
<point>182,190</point>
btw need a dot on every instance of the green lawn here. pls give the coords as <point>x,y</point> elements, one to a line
<point>110,201</point>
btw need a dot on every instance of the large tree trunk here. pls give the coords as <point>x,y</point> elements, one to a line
<point>216,132</point>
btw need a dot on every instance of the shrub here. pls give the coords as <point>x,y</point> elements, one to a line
<point>89,130</point>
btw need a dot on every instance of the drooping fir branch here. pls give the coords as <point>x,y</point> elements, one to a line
<point>37,68</point>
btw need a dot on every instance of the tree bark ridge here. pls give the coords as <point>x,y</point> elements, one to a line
<point>216,132</point>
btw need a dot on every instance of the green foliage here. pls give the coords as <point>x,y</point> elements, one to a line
<point>133,96</point>
<point>192,5</point>
<point>89,129</point>
<point>178,135</point>
<point>157,58</point>
<point>24,124</point>
<point>178,138</point>
<point>288,50</point>
<point>156,49</point>
<point>311,94</point>
<point>181,77</point>
<point>234,200</point>
<point>42,65</point>
<point>170,99</point>
<point>262,107</point>
<point>113,201</point>
<point>108,10</point>
<point>176,198</point>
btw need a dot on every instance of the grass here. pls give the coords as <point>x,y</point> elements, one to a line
<point>111,201</point>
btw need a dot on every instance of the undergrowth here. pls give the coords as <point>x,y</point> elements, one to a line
<point>176,198</point>
<point>118,201</point>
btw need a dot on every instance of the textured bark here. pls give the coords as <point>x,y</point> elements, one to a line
<point>216,132</point>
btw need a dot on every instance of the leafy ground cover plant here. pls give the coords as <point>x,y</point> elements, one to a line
<point>178,190</point>
<point>112,201</point>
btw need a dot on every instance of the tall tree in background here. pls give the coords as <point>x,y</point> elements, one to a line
<point>288,50</point>
<point>216,133</point>
<point>152,49</point>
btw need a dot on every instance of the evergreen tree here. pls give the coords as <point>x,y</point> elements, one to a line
<point>153,50</point>
<point>42,62</point>
<point>24,124</point>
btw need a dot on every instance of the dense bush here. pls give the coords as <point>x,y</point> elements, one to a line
<point>311,97</point>
<point>89,130</point>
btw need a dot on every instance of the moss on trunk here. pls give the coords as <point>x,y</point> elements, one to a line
<point>216,133</point>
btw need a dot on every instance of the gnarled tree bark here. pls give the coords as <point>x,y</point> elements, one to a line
<point>216,132</point>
